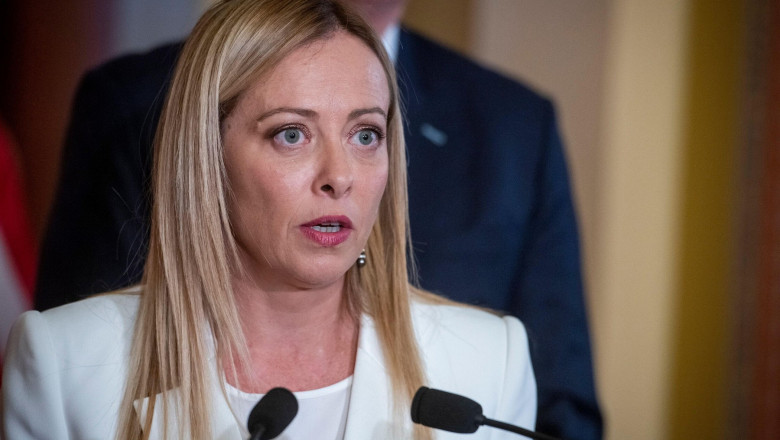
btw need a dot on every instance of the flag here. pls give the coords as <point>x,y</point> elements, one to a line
<point>17,248</point>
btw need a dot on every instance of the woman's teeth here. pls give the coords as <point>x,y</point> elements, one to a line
<point>330,227</point>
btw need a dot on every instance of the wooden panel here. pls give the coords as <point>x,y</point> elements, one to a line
<point>765,404</point>
<point>699,387</point>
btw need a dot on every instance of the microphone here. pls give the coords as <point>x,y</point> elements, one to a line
<point>451,412</point>
<point>272,414</point>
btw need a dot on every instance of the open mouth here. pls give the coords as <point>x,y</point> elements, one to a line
<point>328,231</point>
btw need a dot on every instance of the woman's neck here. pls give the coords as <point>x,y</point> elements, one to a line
<point>299,339</point>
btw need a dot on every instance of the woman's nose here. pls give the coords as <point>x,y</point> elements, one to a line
<point>335,177</point>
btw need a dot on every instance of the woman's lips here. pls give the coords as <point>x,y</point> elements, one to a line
<point>328,231</point>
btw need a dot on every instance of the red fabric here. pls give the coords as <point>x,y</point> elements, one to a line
<point>14,229</point>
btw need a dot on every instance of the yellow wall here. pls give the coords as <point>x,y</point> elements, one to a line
<point>699,380</point>
<point>634,275</point>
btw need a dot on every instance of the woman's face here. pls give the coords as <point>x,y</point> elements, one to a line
<point>307,161</point>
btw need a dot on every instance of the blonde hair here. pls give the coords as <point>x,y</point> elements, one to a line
<point>188,305</point>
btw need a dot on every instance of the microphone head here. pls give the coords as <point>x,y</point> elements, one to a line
<point>273,412</point>
<point>447,411</point>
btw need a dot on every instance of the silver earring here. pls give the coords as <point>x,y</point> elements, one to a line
<point>361,261</point>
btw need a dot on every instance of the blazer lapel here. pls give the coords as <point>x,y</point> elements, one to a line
<point>370,413</point>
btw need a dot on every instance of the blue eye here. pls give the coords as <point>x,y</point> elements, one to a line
<point>290,136</point>
<point>365,137</point>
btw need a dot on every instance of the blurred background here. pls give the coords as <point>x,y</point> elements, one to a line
<point>669,110</point>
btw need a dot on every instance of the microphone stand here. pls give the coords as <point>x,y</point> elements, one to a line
<point>482,420</point>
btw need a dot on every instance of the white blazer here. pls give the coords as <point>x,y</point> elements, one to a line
<point>65,371</point>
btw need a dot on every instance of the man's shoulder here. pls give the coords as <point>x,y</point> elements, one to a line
<point>135,79</point>
<point>154,62</point>
<point>121,99</point>
<point>440,66</point>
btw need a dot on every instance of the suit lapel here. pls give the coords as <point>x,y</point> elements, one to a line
<point>411,83</point>
<point>427,134</point>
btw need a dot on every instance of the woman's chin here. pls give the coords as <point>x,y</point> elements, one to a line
<point>321,275</point>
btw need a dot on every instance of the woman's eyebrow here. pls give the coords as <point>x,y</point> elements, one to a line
<point>363,111</point>
<point>311,113</point>
<point>298,111</point>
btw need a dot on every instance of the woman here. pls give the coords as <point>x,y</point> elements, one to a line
<point>277,258</point>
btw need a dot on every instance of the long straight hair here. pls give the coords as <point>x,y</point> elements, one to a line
<point>187,311</point>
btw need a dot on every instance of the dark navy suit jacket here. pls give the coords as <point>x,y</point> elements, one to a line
<point>491,213</point>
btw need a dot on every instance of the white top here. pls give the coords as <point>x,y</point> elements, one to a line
<point>322,413</point>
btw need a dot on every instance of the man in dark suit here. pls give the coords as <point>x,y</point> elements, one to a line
<point>492,220</point>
